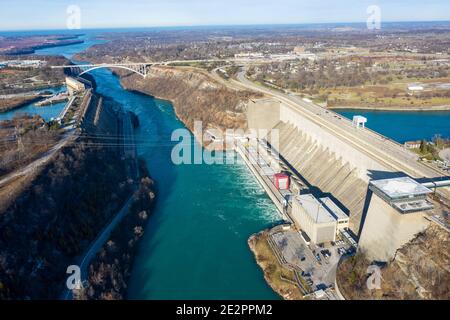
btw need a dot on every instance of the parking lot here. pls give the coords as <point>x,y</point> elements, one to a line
<point>316,264</point>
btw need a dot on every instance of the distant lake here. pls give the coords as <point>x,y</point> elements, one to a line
<point>404,126</point>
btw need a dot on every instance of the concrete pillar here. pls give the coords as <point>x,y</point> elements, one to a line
<point>386,230</point>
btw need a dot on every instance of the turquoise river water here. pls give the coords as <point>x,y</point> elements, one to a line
<point>195,244</point>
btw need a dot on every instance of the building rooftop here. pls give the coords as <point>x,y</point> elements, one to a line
<point>315,209</point>
<point>267,171</point>
<point>359,118</point>
<point>334,209</point>
<point>400,188</point>
<point>413,206</point>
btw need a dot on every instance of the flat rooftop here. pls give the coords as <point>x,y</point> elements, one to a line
<point>413,206</point>
<point>315,209</point>
<point>400,188</point>
<point>334,209</point>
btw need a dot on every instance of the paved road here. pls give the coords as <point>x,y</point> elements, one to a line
<point>68,138</point>
<point>389,153</point>
<point>129,152</point>
<point>97,244</point>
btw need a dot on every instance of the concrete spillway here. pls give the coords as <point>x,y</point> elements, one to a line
<point>328,161</point>
<point>323,169</point>
<point>341,161</point>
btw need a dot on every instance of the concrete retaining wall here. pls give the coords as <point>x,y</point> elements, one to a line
<point>263,114</point>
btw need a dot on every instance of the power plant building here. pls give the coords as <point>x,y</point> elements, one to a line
<point>396,213</point>
<point>318,218</point>
<point>74,86</point>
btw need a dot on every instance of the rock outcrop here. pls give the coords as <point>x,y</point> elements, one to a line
<point>196,96</point>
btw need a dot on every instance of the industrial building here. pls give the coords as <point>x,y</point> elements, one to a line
<point>74,86</point>
<point>395,215</point>
<point>321,219</point>
<point>342,219</point>
<point>23,63</point>
<point>412,144</point>
<point>281,181</point>
<point>404,194</point>
<point>359,121</point>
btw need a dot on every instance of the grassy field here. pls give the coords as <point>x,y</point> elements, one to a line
<point>390,96</point>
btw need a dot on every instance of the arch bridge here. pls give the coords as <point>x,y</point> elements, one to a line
<point>80,69</point>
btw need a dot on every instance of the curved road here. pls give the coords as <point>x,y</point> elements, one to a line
<point>97,244</point>
<point>68,138</point>
<point>378,147</point>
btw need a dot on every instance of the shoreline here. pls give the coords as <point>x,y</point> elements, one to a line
<point>115,258</point>
<point>177,115</point>
<point>33,49</point>
<point>393,109</point>
<point>275,275</point>
<point>21,104</point>
<point>366,108</point>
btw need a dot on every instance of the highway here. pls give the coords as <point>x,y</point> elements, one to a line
<point>389,153</point>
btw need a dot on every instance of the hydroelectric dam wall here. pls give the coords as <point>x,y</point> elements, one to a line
<point>321,157</point>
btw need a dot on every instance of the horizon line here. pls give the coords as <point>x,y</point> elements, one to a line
<point>214,25</point>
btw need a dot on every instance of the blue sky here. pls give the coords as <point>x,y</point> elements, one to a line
<point>51,14</point>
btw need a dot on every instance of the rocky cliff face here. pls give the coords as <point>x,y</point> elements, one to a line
<point>196,96</point>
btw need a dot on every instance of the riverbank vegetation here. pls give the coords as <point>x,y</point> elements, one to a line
<point>196,96</point>
<point>408,276</point>
<point>20,45</point>
<point>279,278</point>
<point>24,139</point>
<point>34,74</point>
<point>17,102</point>
<point>430,150</point>
<point>56,211</point>
<point>110,271</point>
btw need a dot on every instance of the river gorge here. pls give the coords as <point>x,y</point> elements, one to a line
<point>195,243</point>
